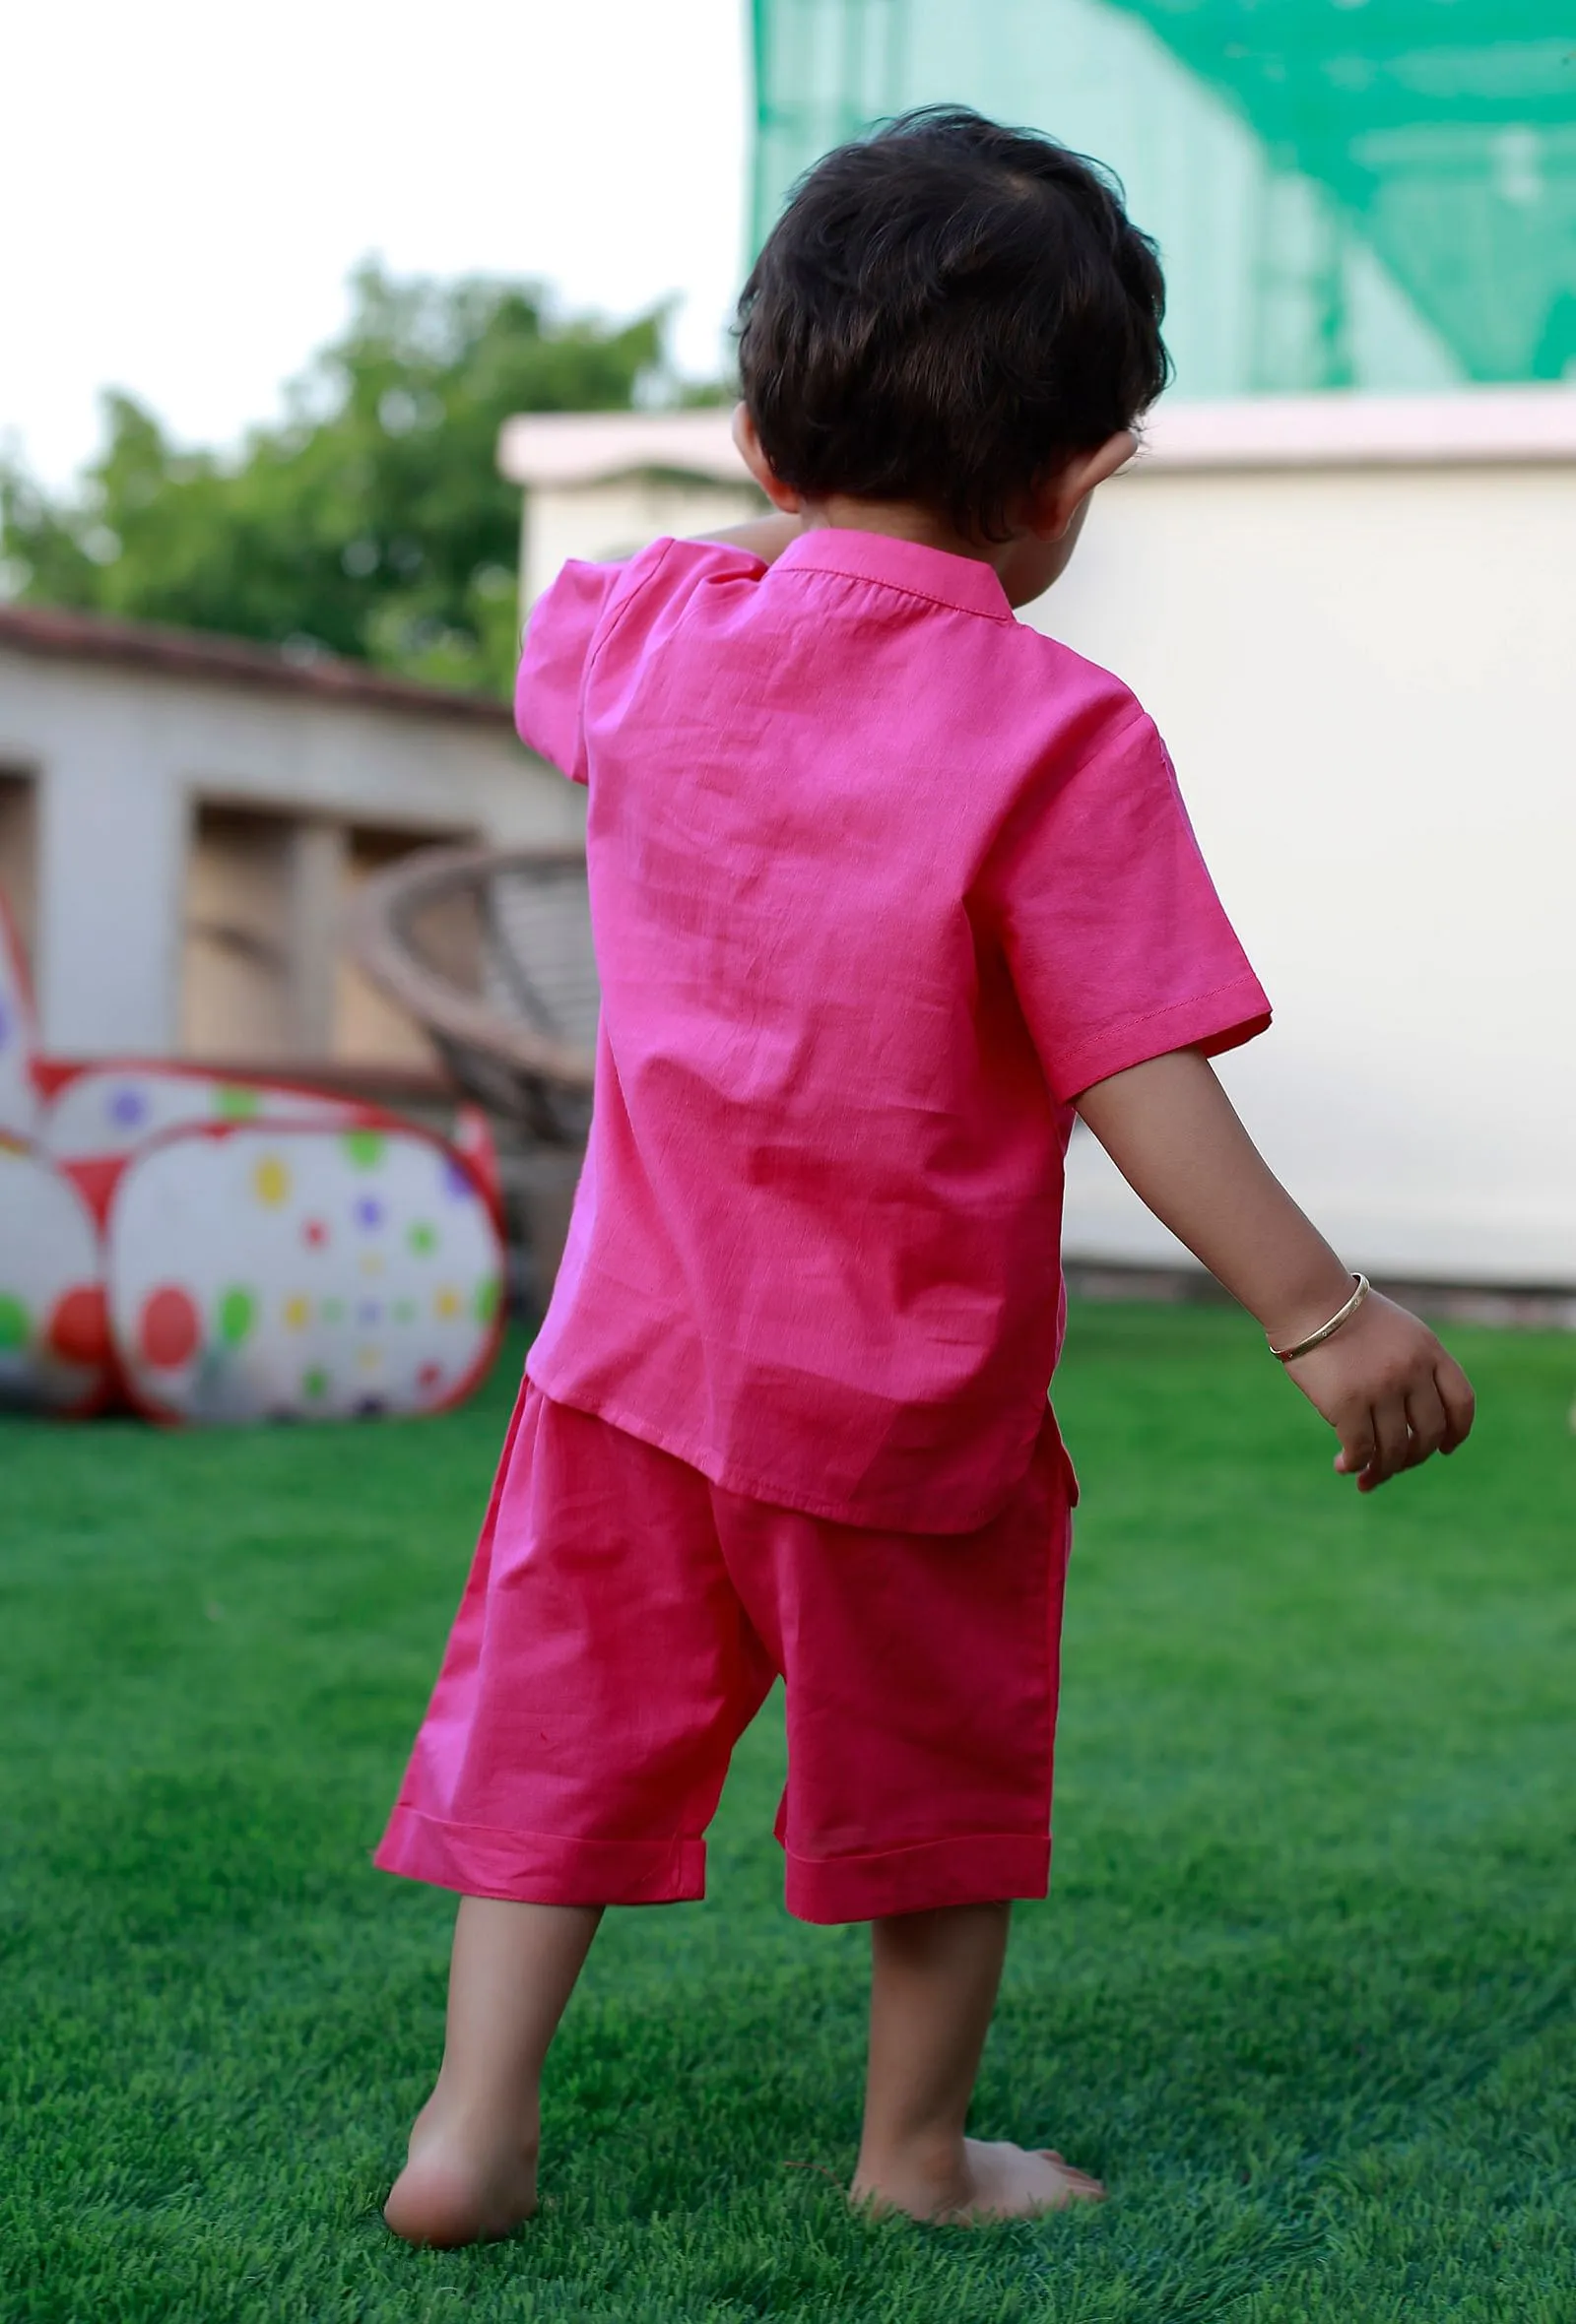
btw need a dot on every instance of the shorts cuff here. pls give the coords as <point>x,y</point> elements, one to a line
<point>981,1871</point>
<point>539,1867</point>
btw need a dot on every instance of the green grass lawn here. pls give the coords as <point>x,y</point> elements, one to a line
<point>1302,1992</point>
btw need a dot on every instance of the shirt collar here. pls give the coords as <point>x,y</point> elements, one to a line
<point>964,582</point>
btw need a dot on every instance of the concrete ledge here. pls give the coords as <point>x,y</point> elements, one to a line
<point>1480,426</point>
<point>152,648</point>
<point>565,448</point>
<point>1485,426</point>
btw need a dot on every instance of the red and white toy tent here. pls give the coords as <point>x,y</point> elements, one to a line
<point>233,1249</point>
<point>54,1353</point>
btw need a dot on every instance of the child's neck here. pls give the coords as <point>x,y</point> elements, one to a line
<point>1025,563</point>
<point>898,520</point>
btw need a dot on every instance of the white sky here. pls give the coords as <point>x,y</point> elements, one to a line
<point>184,184</point>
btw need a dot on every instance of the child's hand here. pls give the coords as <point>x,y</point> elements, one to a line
<point>1388,1390</point>
<point>1382,1381</point>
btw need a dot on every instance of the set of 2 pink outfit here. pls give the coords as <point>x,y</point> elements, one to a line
<point>881,881</point>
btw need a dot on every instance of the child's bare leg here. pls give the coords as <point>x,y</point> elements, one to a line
<point>932,1990</point>
<point>472,2170</point>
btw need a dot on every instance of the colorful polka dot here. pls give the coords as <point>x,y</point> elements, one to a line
<point>372,1262</point>
<point>405,1311</point>
<point>168,1330</point>
<point>79,1327</point>
<point>363,1148</point>
<point>333,1311</point>
<point>428,1375</point>
<point>369,1212</point>
<point>235,1104</point>
<point>423,1238</point>
<point>458,1183</point>
<point>369,1311</point>
<point>298,1313</point>
<point>128,1108</point>
<point>314,1382</point>
<point>448,1302</point>
<point>486,1301</point>
<point>369,1358</point>
<point>237,1312</point>
<point>15,1324</point>
<point>271,1181</point>
<point>314,1234</point>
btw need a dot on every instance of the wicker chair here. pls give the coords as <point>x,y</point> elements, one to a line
<point>490,952</point>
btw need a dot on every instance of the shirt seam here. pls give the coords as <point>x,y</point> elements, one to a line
<point>616,622</point>
<point>991,875</point>
<point>1098,751</point>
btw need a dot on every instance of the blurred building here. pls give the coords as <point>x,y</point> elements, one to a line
<point>184,819</point>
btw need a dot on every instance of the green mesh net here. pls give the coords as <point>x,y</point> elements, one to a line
<point>1369,193</point>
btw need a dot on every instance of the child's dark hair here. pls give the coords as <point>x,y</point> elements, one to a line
<point>945,312</point>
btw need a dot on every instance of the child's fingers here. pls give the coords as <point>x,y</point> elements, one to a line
<point>1392,1442</point>
<point>1428,1422</point>
<point>1461,1405</point>
<point>1357,1445</point>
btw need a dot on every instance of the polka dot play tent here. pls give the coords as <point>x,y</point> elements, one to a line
<point>320,1274</point>
<point>231,1250</point>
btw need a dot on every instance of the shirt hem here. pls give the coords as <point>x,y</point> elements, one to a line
<point>728,1478</point>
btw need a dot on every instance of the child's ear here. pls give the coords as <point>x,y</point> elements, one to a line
<point>1059,496</point>
<point>747,438</point>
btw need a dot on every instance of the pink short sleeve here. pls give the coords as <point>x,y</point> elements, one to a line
<point>573,620</point>
<point>1116,940</point>
<point>559,639</point>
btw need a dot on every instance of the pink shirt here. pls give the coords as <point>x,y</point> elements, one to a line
<point>881,881</point>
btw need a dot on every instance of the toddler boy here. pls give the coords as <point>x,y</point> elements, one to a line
<point>884,887</point>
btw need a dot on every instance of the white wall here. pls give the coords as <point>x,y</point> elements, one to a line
<point>1367,677</point>
<point>1354,619</point>
<point>120,755</point>
<point>617,515</point>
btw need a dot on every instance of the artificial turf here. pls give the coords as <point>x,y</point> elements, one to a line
<point>1302,1992</point>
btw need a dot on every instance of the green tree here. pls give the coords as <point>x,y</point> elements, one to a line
<point>372,519</point>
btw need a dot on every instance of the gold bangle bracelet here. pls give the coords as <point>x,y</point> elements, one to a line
<point>1289,1355</point>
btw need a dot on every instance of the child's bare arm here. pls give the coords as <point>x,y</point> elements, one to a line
<point>1383,1381</point>
<point>765,537</point>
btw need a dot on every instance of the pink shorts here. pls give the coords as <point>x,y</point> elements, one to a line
<point>625,1618</point>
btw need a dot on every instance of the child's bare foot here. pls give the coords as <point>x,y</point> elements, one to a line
<point>971,2184</point>
<point>471,2177</point>
<point>459,2187</point>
